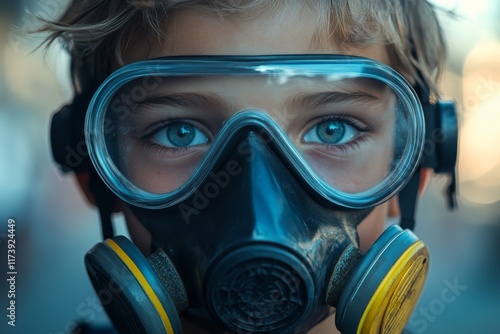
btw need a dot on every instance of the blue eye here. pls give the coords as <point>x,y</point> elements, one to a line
<point>330,132</point>
<point>179,135</point>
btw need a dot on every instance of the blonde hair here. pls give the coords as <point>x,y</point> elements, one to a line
<point>97,32</point>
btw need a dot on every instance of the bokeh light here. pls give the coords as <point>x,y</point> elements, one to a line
<point>480,132</point>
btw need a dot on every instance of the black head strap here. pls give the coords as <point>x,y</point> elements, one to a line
<point>67,137</point>
<point>441,144</point>
<point>408,198</point>
<point>70,150</point>
<point>440,153</point>
<point>104,200</point>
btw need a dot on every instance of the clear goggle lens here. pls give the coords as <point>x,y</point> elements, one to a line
<point>351,126</point>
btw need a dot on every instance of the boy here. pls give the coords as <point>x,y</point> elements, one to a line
<point>255,149</point>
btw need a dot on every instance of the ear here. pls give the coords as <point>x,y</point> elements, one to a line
<point>425,176</point>
<point>83,181</point>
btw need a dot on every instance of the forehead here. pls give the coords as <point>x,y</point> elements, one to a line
<point>284,31</point>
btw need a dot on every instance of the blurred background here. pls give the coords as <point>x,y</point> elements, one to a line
<point>55,227</point>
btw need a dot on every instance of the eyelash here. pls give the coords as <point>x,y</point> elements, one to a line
<point>355,123</point>
<point>151,131</point>
<point>343,148</point>
<point>165,150</point>
<point>156,127</point>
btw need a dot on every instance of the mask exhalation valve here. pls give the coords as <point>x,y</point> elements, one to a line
<point>260,288</point>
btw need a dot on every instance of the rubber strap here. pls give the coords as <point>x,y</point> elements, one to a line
<point>104,201</point>
<point>408,201</point>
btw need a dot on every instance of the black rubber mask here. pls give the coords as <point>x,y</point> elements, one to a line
<point>253,250</point>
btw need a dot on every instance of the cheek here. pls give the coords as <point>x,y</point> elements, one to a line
<point>372,226</point>
<point>138,233</point>
<point>157,172</point>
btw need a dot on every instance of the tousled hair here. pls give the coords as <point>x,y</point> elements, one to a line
<point>96,33</point>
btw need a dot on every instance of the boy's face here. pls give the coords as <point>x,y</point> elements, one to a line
<point>284,32</point>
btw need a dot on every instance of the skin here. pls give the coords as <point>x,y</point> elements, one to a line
<point>287,32</point>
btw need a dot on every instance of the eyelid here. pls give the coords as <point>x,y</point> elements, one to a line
<point>153,129</point>
<point>311,136</point>
<point>350,120</point>
<point>162,136</point>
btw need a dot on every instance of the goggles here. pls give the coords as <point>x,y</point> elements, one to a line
<point>350,128</point>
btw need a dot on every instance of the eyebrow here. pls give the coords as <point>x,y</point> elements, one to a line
<point>206,101</point>
<point>210,102</point>
<point>315,100</point>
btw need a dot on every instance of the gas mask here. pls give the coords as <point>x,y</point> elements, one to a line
<point>252,174</point>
